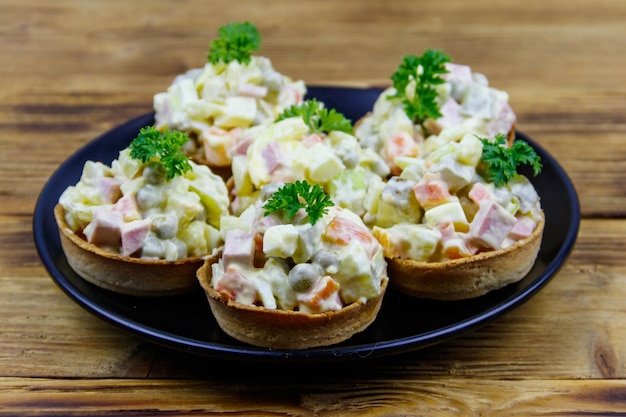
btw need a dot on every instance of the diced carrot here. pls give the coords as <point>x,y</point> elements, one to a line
<point>392,247</point>
<point>235,286</point>
<point>342,231</point>
<point>327,288</point>
<point>431,191</point>
<point>401,144</point>
<point>217,142</point>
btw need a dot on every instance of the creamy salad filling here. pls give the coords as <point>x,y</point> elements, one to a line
<point>132,209</point>
<point>287,151</point>
<point>442,206</point>
<point>467,104</point>
<point>218,103</point>
<point>292,264</point>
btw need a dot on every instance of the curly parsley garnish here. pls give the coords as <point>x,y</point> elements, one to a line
<point>292,197</point>
<point>502,161</point>
<point>235,42</point>
<point>421,74</point>
<point>318,118</point>
<point>165,148</point>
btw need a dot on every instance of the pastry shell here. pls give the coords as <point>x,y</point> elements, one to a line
<point>466,278</point>
<point>281,329</point>
<point>122,274</point>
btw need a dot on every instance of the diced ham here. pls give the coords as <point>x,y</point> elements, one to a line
<point>431,191</point>
<point>236,287</point>
<point>127,208</point>
<point>479,193</point>
<point>239,248</point>
<point>450,116</point>
<point>133,234</point>
<point>105,227</point>
<point>310,140</point>
<point>343,231</point>
<point>461,73</point>
<point>109,189</point>
<point>265,222</point>
<point>252,90</point>
<point>446,229</point>
<point>273,157</point>
<point>524,227</point>
<point>240,147</point>
<point>491,224</point>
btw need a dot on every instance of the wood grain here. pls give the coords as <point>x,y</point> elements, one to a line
<point>72,69</point>
<point>339,397</point>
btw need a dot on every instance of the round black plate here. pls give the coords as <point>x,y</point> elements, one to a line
<point>185,322</point>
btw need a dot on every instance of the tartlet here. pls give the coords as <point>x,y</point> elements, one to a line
<point>465,103</point>
<point>219,104</point>
<point>465,278</point>
<point>286,282</point>
<point>287,329</point>
<point>123,274</point>
<point>448,232</point>
<point>143,225</point>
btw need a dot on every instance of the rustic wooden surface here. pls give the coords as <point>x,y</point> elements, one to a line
<point>71,69</point>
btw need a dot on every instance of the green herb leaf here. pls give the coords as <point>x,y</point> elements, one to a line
<point>235,42</point>
<point>420,75</point>
<point>318,118</point>
<point>292,197</point>
<point>162,147</point>
<point>502,161</point>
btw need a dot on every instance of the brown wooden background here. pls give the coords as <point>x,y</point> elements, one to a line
<point>70,70</point>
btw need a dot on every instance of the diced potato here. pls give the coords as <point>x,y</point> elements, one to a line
<point>469,150</point>
<point>448,212</point>
<point>237,112</point>
<point>323,164</point>
<point>412,241</point>
<point>280,240</point>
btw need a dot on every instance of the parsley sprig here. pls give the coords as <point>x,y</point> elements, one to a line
<point>502,161</point>
<point>165,148</point>
<point>292,197</point>
<point>424,72</point>
<point>235,42</point>
<point>318,118</point>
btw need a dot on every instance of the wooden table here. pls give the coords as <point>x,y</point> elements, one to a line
<point>71,70</point>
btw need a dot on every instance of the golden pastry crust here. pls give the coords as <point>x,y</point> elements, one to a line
<point>465,278</point>
<point>126,275</point>
<point>280,329</point>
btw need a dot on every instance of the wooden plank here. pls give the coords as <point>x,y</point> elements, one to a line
<point>333,395</point>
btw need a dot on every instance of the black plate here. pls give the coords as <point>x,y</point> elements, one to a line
<point>185,322</point>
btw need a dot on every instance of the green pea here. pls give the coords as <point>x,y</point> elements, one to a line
<point>303,276</point>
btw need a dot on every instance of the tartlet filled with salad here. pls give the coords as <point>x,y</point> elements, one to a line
<point>307,142</point>
<point>296,271</point>
<point>144,224</point>
<point>233,92</point>
<point>433,102</point>
<point>456,219</point>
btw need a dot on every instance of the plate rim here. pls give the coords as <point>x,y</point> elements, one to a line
<point>329,353</point>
